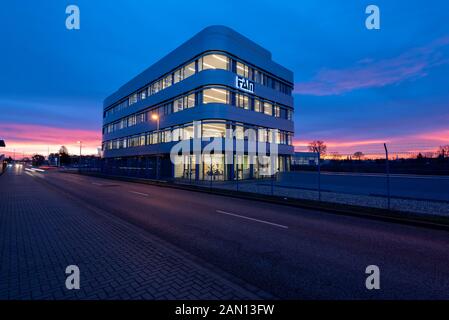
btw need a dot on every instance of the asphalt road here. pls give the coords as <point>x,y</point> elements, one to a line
<point>290,252</point>
<point>401,185</point>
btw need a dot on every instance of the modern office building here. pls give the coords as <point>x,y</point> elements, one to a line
<point>219,84</point>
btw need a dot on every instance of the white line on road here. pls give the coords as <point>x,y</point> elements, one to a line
<point>140,193</point>
<point>252,219</point>
<point>97,184</point>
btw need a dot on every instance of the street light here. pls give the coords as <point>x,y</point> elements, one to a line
<point>155,117</point>
<point>79,163</point>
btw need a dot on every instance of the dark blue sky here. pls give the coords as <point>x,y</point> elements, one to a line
<point>355,88</point>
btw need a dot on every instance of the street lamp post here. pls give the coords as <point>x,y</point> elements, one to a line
<point>79,162</point>
<point>155,117</point>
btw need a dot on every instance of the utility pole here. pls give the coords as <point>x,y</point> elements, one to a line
<point>319,173</point>
<point>79,163</point>
<point>156,118</point>
<point>387,164</point>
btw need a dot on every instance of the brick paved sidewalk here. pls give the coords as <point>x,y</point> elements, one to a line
<point>43,231</point>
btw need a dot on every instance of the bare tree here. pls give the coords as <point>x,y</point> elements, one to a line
<point>64,157</point>
<point>38,160</point>
<point>318,146</point>
<point>358,155</point>
<point>63,150</point>
<point>443,151</point>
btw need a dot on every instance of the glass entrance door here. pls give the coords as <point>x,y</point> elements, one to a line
<point>213,167</point>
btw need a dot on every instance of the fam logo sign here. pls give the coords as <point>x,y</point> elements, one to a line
<point>244,84</point>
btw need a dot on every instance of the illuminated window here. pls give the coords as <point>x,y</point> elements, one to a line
<point>133,99</point>
<point>242,101</point>
<point>134,141</point>
<point>143,94</point>
<point>262,134</point>
<point>177,76</point>
<point>268,108</point>
<point>178,105</point>
<point>167,81</point>
<point>140,117</point>
<point>212,130</point>
<point>177,134</point>
<point>189,70</point>
<point>131,121</point>
<point>156,87</point>
<point>257,105</point>
<point>215,95</point>
<point>189,101</point>
<point>187,132</point>
<point>214,61</point>
<point>274,136</point>
<point>154,137</point>
<point>277,111</point>
<point>289,138</point>
<point>242,70</point>
<point>239,132</point>
<point>166,136</point>
<point>257,76</point>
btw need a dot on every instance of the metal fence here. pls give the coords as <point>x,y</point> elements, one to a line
<point>414,185</point>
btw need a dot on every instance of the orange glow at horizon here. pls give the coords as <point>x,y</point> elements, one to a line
<point>403,146</point>
<point>27,140</point>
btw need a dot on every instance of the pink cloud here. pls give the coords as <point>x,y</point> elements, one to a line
<point>368,73</point>
<point>29,139</point>
<point>409,143</point>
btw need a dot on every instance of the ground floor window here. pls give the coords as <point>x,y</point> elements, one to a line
<point>213,167</point>
<point>216,168</point>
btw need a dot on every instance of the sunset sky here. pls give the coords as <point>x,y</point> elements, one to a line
<point>354,88</point>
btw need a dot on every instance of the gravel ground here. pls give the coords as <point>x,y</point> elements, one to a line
<point>406,205</point>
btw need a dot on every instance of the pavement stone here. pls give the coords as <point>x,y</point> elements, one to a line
<point>43,231</point>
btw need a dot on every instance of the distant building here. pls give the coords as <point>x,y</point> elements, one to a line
<point>305,159</point>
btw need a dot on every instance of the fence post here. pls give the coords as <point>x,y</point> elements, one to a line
<point>190,168</point>
<point>237,177</point>
<point>319,176</point>
<point>387,165</point>
<point>211,171</point>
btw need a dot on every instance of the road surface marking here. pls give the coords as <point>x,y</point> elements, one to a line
<point>140,193</point>
<point>97,184</point>
<point>252,219</point>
